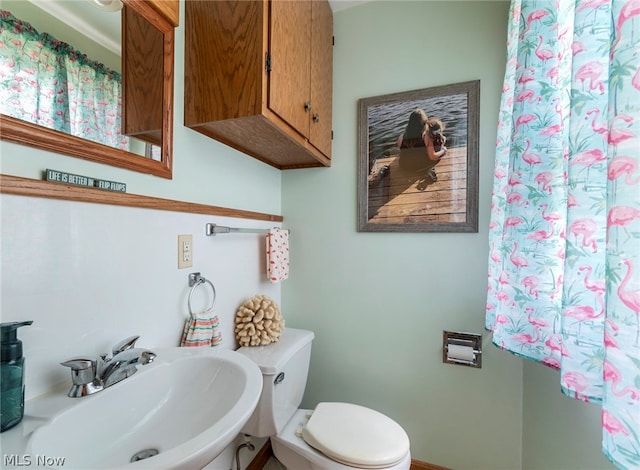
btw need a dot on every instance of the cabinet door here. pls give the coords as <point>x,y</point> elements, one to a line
<point>224,60</point>
<point>143,70</point>
<point>289,46</point>
<point>321,75</point>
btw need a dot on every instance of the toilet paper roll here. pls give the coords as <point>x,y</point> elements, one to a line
<point>461,353</point>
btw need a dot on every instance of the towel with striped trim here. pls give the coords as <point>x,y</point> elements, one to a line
<point>201,329</point>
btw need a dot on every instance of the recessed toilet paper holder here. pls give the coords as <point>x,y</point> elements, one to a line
<point>464,349</point>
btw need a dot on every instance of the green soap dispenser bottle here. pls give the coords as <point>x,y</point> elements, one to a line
<point>12,375</point>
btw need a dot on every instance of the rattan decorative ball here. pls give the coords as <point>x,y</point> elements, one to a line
<point>258,322</point>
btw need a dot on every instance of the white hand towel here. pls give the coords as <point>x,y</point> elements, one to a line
<point>277,255</point>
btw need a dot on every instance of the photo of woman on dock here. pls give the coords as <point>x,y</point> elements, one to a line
<point>418,160</point>
<point>422,144</point>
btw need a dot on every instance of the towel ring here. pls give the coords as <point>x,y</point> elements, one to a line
<point>195,279</point>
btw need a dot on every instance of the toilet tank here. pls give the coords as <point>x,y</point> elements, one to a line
<point>284,366</point>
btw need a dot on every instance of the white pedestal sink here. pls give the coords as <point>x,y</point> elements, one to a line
<point>186,407</point>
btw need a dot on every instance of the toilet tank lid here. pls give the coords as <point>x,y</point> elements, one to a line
<point>272,357</point>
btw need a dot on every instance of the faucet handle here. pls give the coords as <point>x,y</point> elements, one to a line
<point>83,370</point>
<point>83,377</point>
<point>79,363</point>
<point>125,344</point>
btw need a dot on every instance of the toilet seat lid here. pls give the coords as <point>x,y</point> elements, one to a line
<point>355,435</point>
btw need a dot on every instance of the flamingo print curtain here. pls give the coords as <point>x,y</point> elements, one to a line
<point>47,82</point>
<point>564,262</point>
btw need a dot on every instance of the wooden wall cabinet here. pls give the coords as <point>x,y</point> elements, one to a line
<point>258,77</point>
<point>169,9</point>
<point>146,62</point>
<point>143,69</point>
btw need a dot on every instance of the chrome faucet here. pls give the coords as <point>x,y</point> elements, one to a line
<point>122,365</point>
<point>90,376</point>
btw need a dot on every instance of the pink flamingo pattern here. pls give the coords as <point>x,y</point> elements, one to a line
<point>50,100</point>
<point>596,286</point>
<point>517,260</point>
<point>618,135</point>
<point>600,127</point>
<point>529,157</point>
<point>522,120</point>
<point>630,297</point>
<point>621,216</point>
<point>624,166</point>
<point>581,314</point>
<point>591,72</point>
<point>564,260</point>
<point>585,228</point>
<point>589,158</point>
<point>543,54</point>
<point>612,425</point>
<point>612,374</point>
<point>535,15</point>
<point>544,179</point>
<point>575,381</point>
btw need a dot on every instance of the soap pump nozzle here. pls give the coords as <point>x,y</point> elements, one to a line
<point>11,346</point>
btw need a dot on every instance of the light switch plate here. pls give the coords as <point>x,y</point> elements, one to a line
<point>185,251</point>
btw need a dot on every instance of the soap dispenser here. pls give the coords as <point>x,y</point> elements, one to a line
<point>12,375</point>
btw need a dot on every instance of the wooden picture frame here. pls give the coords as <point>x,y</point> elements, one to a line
<point>401,189</point>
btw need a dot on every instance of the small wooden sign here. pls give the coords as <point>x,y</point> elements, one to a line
<point>84,181</point>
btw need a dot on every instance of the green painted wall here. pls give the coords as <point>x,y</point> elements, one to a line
<point>378,302</point>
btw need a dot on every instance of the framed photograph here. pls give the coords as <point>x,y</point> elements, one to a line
<point>418,160</point>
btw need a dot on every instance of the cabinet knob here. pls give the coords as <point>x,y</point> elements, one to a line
<point>316,117</point>
<point>307,106</point>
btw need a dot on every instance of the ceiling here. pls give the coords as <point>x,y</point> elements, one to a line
<point>337,5</point>
<point>102,26</point>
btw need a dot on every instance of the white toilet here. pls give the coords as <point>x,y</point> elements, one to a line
<point>334,436</point>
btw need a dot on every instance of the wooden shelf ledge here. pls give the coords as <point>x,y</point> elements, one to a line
<point>36,188</point>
